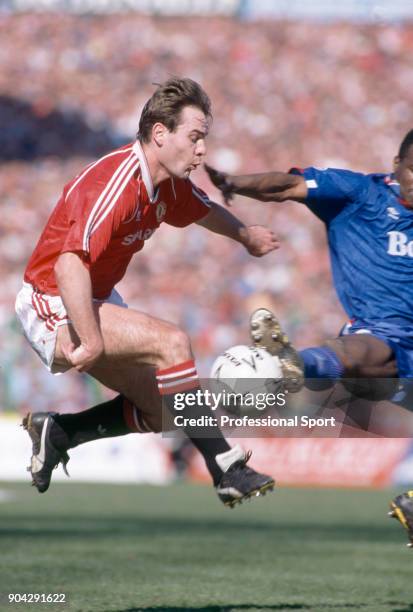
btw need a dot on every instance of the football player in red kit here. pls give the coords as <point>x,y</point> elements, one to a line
<point>73,316</point>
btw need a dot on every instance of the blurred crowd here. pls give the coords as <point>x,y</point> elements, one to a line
<point>283,95</point>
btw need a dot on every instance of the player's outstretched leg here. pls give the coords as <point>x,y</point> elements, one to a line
<point>239,481</point>
<point>232,478</point>
<point>266,332</point>
<point>401,508</point>
<point>53,434</point>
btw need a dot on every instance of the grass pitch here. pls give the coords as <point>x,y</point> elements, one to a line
<point>128,548</point>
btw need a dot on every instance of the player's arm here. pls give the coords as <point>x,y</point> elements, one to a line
<point>267,187</point>
<point>75,288</point>
<point>256,239</point>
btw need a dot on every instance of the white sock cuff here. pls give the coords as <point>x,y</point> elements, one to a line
<point>225,460</point>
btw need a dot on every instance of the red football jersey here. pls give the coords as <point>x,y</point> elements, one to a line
<point>106,213</point>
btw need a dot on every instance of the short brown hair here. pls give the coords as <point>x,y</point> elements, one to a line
<point>168,101</point>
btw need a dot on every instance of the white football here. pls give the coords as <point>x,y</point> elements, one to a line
<point>248,372</point>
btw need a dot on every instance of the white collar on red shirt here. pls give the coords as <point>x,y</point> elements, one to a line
<point>146,176</point>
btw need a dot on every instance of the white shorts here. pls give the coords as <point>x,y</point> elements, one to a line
<point>40,316</point>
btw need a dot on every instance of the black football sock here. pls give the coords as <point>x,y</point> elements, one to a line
<point>181,380</point>
<point>117,417</point>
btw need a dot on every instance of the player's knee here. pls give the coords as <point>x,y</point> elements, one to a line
<point>176,348</point>
<point>351,364</point>
<point>358,377</point>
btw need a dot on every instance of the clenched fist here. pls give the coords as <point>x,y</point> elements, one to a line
<point>259,240</point>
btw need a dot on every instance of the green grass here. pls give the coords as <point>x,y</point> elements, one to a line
<point>124,548</point>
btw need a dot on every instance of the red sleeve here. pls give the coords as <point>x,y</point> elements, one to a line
<point>192,204</point>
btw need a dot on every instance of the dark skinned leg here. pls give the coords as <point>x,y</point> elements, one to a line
<point>370,373</point>
<point>364,356</point>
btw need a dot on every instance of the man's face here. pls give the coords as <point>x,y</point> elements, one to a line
<point>403,170</point>
<point>183,150</point>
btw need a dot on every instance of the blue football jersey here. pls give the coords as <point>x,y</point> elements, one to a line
<point>370,238</point>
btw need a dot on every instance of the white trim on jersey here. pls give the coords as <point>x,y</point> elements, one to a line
<point>173,187</point>
<point>311,184</point>
<point>89,168</point>
<point>201,196</point>
<point>146,175</point>
<point>116,198</point>
<point>105,197</point>
<point>112,192</point>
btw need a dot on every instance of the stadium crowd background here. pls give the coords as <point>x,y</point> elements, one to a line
<point>72,87</point>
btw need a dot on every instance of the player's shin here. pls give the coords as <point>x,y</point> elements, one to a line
<point>182,396</point>
<point>117,417</point>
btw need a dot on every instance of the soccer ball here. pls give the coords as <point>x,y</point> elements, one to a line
<point>245,375</point>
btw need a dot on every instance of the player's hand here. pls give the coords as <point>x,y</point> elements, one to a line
<point>259,240</point>
<point>84,356</point>
<point>221,180</point>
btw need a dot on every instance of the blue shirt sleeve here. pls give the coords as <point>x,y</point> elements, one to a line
<point>331,190</point>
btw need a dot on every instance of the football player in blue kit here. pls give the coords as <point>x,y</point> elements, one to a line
<point>369,224</point>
